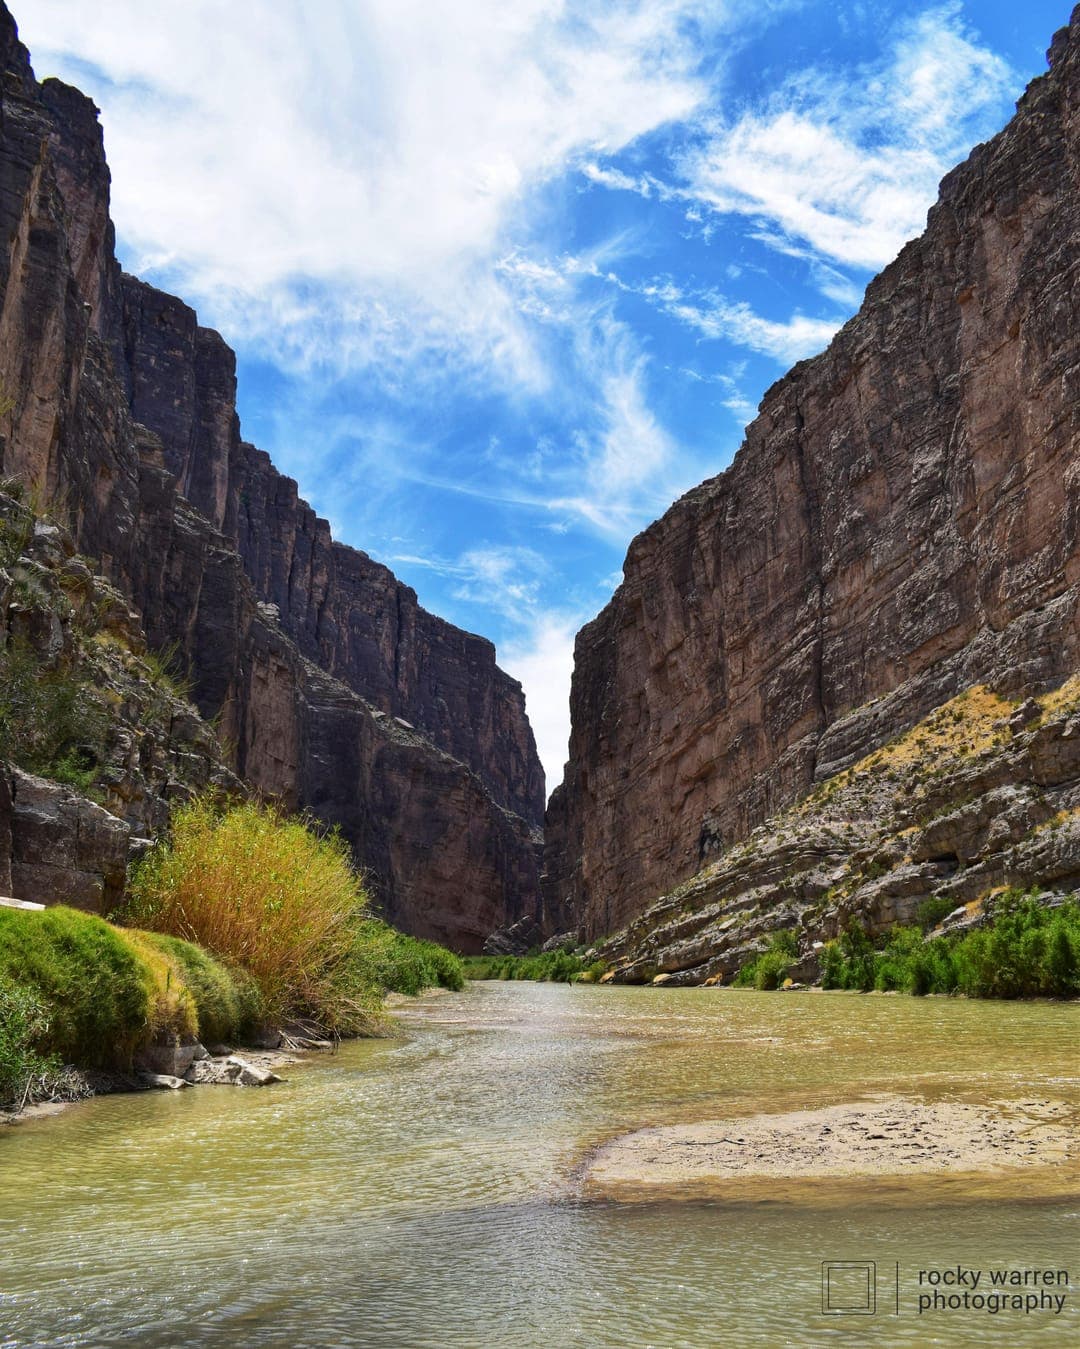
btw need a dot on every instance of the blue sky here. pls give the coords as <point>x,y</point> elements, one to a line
<point>506,277</point>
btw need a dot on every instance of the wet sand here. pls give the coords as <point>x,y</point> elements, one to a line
<point>896,1136</point>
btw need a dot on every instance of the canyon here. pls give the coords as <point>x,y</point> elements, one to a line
<point>894,550</point>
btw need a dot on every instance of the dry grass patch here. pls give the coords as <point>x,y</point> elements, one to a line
<point>261,892</point>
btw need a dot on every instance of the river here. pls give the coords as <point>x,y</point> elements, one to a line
<point>428,1190</point>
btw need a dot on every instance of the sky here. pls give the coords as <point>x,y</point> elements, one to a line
<point>507,277</point>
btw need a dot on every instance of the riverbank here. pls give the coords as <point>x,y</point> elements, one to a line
<point>249,1068</point>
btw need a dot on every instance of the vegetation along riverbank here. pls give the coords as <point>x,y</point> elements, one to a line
<point>242,923</point>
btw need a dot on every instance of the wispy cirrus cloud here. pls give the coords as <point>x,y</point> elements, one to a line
<point>848,168</point>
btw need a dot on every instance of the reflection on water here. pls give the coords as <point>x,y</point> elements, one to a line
<point>425,1191</point>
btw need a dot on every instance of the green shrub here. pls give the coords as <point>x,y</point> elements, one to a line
<point>545,967</point>
<point>1024,951</point>
<point>50,721</point>
<point>858,970</point>
<point>388,961</point>
<point>24,1025</point>
<point>226,1002</point>
<point>832,966</point>
<point>768,970</point>
<point>931,911</point>
<point>96,990</point>
<point>263,893</point>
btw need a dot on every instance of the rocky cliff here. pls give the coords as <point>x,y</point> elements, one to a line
<point>900,524</point>
<point>340,694</point>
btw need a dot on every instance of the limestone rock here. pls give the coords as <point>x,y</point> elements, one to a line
<point>162,1081</point>
<point>65,849</point>
<point>515,940</point>
<point>172,1060</point>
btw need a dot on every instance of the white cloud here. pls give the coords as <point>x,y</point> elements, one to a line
<point>850,166</point>
<point>709,313</point>
<point>338,179</point>
<point>787,341</point>
<point>505,580</point>
<point>543,660</point>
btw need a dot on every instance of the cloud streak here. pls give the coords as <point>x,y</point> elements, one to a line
<point>849,167</point>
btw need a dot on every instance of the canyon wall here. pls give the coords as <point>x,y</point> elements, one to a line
<point>900,523</point>
<point>339,693</point>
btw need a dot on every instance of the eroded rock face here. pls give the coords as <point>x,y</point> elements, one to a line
<point>123,410</point>
<point>65,849</point>
<point>345,612</point>
<point>901,522</point>
<point>973,800</point>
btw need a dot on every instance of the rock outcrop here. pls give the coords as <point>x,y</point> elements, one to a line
<point>93,713</point>
<point>339,693</point>
<point>901,523</point>
<point>981,796</point>
<point>345,612</point>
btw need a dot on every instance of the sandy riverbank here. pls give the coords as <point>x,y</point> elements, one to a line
<point>891,1137</point>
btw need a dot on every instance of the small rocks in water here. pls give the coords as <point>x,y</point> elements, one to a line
<point>233,1071</point>
<point>249,1075</point>
<point>163,1081</point>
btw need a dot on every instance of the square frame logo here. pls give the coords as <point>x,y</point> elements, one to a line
<point>848,1287</point>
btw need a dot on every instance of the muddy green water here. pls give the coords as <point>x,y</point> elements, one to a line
<point>428,1191</point>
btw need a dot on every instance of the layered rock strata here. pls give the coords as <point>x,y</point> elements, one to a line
<point>900,523</point>
<point>340,694</point>
<point>981,796</point>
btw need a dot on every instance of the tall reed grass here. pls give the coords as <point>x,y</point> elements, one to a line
<point>267,894</point>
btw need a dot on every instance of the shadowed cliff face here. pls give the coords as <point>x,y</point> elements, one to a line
<point>900,523</point>
<point>124,413</point>
<point>345,612</point>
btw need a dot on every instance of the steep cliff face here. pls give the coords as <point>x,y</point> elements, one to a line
<point>344,611</point>
<point>900,523</point>
<point>122,411</point>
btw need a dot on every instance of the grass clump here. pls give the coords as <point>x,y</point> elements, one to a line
<point>541,967</point>
<point>226,1003</point>
<point>95,989</point>
<point>272,897</point>
<point>768,970</point>
<point>24,1024</point>
<point>1026,951</point>
<point>261,892</point>
<point>75,989</point>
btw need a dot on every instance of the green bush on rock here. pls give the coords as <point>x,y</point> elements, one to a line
<point>1026,950</point>
<point>76,989</point>
<point>95,989</point>
<point>227,1002</point>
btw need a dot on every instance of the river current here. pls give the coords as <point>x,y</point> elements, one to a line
<point>429,1190</point>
